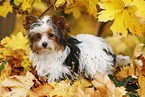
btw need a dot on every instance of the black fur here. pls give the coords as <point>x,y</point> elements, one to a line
<point>113,55</point>
<point>72,59</point>
<point>60,34</point>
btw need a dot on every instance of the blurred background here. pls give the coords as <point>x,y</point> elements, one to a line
<point>80,21</point>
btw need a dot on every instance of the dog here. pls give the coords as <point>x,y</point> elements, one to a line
<point>57,56</point>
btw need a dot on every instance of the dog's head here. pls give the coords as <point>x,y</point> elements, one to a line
<point>46,35</point>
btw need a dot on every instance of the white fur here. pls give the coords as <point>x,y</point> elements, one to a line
<point>92,55</point>
<point>50,64</point>
<point>45,26</point>
<point>44,38</point>
<point>92,59</point>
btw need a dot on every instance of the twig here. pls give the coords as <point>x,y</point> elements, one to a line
<point>101,29</point>
<point>47,9</point>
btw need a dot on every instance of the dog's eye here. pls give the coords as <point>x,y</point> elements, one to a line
<point>51,35</point>
<point>38,36</point>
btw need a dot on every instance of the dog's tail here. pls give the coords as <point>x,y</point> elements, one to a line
<point>122,60</point>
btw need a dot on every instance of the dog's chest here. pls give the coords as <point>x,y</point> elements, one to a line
<point>50,65</point>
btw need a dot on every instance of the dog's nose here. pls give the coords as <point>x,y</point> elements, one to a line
<point>44,44</point>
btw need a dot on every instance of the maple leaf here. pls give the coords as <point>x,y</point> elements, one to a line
<point>91,8</point>
<point>103,83</point>
<point>4,52</point>
<point>16,42</point>
<point>140,4</point>
<point>77,7</point>
<point>17,2</point>
<point>82,83</point>
<point>138,58</point>
<point>60,2</point>
<point>141,91</point>
<point>5,8</point>
<point>25,5</point>
<point>19,85</point>
<point>124,17</point>
<point>63,89</point>
<point>43,90</point>
<point>75,10</point>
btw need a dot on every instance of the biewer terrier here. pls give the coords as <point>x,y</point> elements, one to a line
<point>57,56</point>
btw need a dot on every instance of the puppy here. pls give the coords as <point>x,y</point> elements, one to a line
<point>57,56</point>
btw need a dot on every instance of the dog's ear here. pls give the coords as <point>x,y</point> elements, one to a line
<point>28,21</point>
<point>61,23</point>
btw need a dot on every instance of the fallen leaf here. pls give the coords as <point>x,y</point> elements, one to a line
<point>43,90</point>
<point>82,83</point>
<point>19,85</point>
<point>16,42</point>
<point>106,87</point>
<point>141,90</point>
<point>64,89</point>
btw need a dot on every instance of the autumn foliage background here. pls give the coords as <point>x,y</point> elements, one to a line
<point>120,22</point>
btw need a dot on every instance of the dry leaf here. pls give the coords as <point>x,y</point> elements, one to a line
<point>141,81</point>
<point>19,85</point>
<point>106,87</point>
<point>43,90</point>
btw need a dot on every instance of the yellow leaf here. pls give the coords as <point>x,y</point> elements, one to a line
<point>92,9</point>
<point>16,42</point>
<point>126,2</point>
<point>26,64</point>
<point>59,2</point>
<point>75,10</point>
<point>118,25</point>
<point>111,8</point>
<point>37,2</point>
<point>125,71</point>
<point>132,23</point>
<point>70,3</point>
<point>25,5</point>
<point>140,4</point>
<point>82,83</point>
<point>123,15</point>
<point>141,90</point>
<point>64,89</point>
<point>17,2</point>
<point>120,91</point>
<point>4,52</point>
<point>5,8</point>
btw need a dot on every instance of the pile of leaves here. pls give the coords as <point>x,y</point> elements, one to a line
<point>19,79</point>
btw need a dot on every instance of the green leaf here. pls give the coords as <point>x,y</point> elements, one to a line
<point>3,65</point>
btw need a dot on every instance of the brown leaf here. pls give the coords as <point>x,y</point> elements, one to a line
<point>15,64</point>
<point>143,66</point>
<point>106,87</point>
<point>43,90</point>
